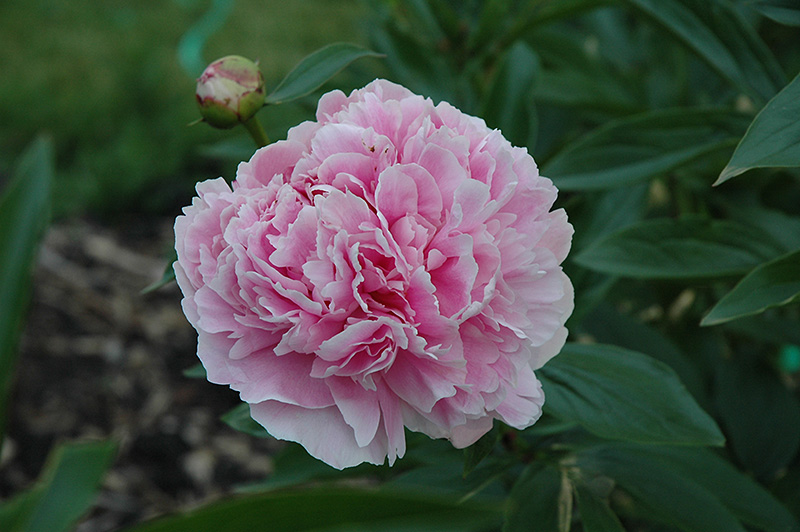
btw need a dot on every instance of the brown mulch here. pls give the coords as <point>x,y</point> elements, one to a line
<point>101,360</point>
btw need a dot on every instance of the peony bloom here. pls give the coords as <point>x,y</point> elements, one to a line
<point>393,264</point>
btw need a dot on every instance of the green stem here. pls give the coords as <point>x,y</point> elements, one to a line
<point>256,131</point>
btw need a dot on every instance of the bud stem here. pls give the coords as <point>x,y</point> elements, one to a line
<point>256,131</point>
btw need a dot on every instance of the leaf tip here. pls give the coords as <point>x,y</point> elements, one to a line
<point>727,173</point>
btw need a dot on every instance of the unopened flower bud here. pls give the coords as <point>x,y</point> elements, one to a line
<point>230,91</point>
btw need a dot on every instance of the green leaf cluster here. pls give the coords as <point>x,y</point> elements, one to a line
<point>673,407</point>
<point>672,131</point>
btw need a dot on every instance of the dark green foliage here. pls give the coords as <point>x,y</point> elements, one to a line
<point>332,508</point>
<point>638,105</point>
<point>24,214</point>
<point>620,394</point>
<point>675,404</point>
<point>65,491</point>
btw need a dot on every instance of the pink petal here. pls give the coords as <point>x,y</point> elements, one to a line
<point>322,431</point>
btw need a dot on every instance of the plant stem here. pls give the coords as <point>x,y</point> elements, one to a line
<point>256,131</point>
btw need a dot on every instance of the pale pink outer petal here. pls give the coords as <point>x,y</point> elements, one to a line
<point>322,431</point>
<point>552,347</point>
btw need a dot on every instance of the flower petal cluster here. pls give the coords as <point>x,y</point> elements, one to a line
<point>393,264</point>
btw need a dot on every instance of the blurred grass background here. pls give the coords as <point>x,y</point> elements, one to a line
<point>113,83</point>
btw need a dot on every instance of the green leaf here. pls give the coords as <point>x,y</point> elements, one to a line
<point>591,289</point>
<point>574,78</point>
<point>634,149</point>
<point>780,226</point>
<point>787,489</point>
<point>690,487</point>
<point>167,278</point>
<point>717,33</point>
<point>745,498</point>
<point>782,11</point>
<point>293,466</point>
<point>190,47</point>
<point>24,214</point>
<point>422,17</point>
<point>447,17</point>
<point>538,13</point>
<point>315,70</point>
<point>195,372</point>
<point>420,70</point>
<point>508,105</point>
<point>485,482</point>
<point>605,212</point>
<point>541,495</point>
<point>609,326</point>
<point>661,493</point>
<point>332,508</point>
<point>760,416</point>
<point>773,138</point>
<point>475,453</point>
<point>596,515</point>
<point>66,489</point>
<point>436,467</point>
<point>492,21</point>
<point>239,419</point>
<point>621,394</point>
<point>769,328</point>
<point>771,284</point>
<point>689,248</point>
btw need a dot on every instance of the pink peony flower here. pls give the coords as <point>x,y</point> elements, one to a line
<point>393,264</point>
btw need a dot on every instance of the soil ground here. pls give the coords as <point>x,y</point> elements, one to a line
<point>101,360</point>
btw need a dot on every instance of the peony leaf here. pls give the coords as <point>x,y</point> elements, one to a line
<point>638,148</point>
<point>781,226</point>
<point>621,394</point>
<point>195,372</point>
<point>773,138</point>
<point>769,285</point>
<point>609,326</point>
<point>535,498</point>
<point>761,416</point>
<point>770,328</point>
<point>194,40</point>
<point>239,419</point>
<point>661,493</point>
<point>167,278</point>
<point>721,37</point>
<point>535,14</point>
<point>293,466</point>
<point>421,16</point>
<point>596,515</point>
<point>690,248</point>
<point>475,453</point>
<point>691,488</point>
<point>24,212</point>
<point>782,11</point>
<point>333,508</point>
<point>66,489</point>
<point>604,212</point>
<point>574,78</point>
<point>491,22</point>
<point>509,102</point>
<point>315,70</point>
<point>424,72</point>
